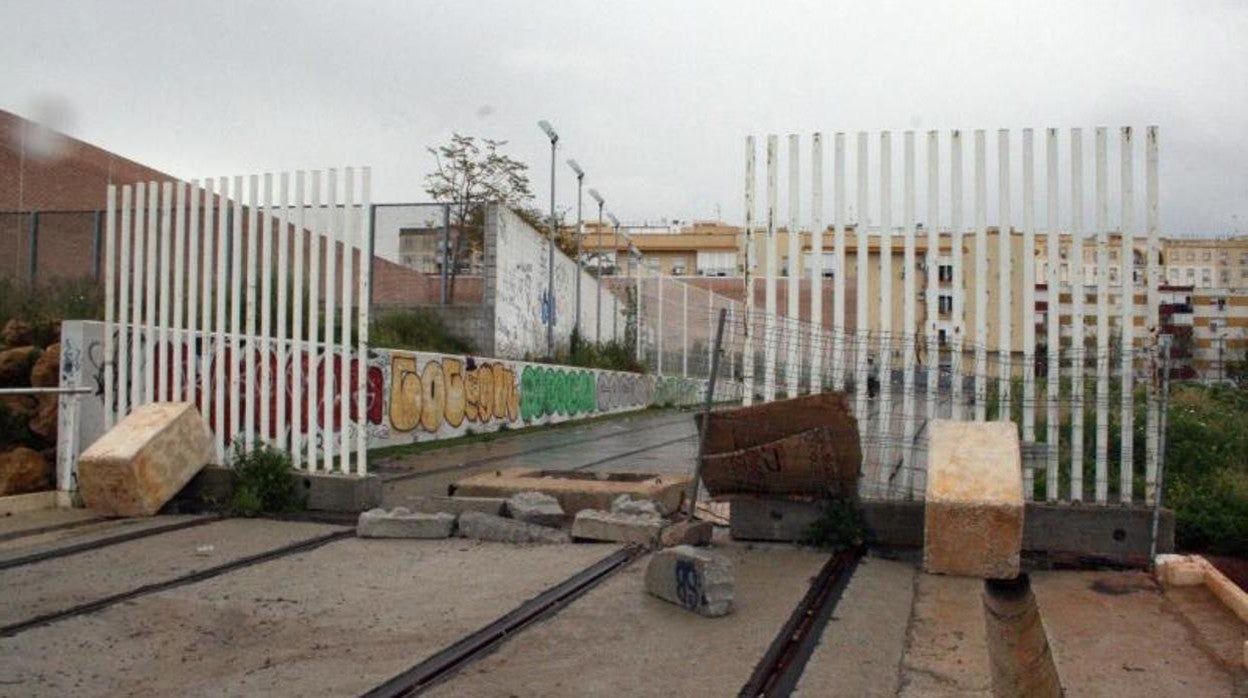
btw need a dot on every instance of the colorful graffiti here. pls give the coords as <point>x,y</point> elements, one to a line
<point>449,391</point>
<point>549,391</point>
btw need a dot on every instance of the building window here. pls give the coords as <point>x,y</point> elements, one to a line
<point>1208,256</point>
<point>1226,277</point>
<point>945,304</point>
<point>1206,276</point>
<point>945,273</point>
<point>1221,303</point>
<point>942,337</point>
<point>1113,255</point>
<point>678,266</point>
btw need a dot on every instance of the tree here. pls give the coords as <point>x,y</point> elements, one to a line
<point>471,172</point>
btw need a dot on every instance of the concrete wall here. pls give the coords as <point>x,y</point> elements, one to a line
<point>516,273</point>
<point>412,396</point>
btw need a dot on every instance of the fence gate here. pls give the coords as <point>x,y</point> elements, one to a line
<point>247,296</point>
<point>1041,319</point>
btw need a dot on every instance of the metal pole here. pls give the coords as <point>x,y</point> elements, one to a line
<point>580,232</point>
<point>446,250</point>
<point>550,258</point>
<point>372,245</point>
<point>598,276</point>
<point>691,494</point>
<point>615,269</point>
<point>1161,442</point>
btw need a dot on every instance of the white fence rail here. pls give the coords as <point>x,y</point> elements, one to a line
<point>927,339</point>
<point>267,278</point>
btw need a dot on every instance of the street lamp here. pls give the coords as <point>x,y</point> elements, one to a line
<point>598,330</point>
<point>580,232</point>
<point>615,266</point>
<point>550,255</point>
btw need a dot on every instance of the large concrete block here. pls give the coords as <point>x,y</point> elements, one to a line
<point>474,524</point>
<point>536,508</point>
<point>696,579</point>
<point>591,524</point>
<point>577,490</point>
<point>143,461</point>
<point>402,523</point>
<point>973,517</point>
<point>433,504</point>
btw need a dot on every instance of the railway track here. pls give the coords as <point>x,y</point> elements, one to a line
<point>88,546</point>
<point>781,666</point>
<point>102,603</point>
<point>472,647</point>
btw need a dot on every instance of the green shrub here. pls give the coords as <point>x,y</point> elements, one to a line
<point>264,483</point>
<point>839,527</point>
<point>617,355</point>
<point>417,330</point>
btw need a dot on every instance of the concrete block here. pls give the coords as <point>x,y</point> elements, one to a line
<point>687,533</point>
<point>474,524</point>
<point>625,504</point>
<point>1180,570</point>
<point>536,508</point>
<point>456,505</point>
<point>400,522</point>
<point>973,518</point>
<point>144,460</point>
<point>577,490</point>
<point>694,578</point>
<point>620,528</point>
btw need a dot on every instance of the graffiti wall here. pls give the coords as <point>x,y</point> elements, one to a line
<point>521,299</point>
<point>412,396</point>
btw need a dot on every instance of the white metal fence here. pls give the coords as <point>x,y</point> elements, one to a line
<point>960,340</point>
<point>268,279</point>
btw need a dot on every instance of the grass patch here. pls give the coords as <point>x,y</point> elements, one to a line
<point>417,330</point>
<point>46,303</point>
<point>618,355</point>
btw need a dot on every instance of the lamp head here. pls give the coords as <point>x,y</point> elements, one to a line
<point>548,130</point>
<point>597,197</point>
<point>580,174</point>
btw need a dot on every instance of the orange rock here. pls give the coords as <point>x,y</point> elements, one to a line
<point>23,470</point>
<point>46,372</point>
<point>43,422</point>
<point>15,366</point>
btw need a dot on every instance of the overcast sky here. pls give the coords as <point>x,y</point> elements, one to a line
<point>653,98</point>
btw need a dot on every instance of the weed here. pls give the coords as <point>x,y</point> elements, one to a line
<point>264,482</point>
<point>840,526</point>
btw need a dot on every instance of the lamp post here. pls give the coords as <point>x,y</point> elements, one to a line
<point>580,232</point>
<point>550,255</point>
<point>615,269</point>
<point>598,314</point>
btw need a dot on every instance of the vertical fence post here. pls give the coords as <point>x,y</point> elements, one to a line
<point>981,277</point>
<point>283,299</point>
<point>1005,264</point>
<point>1154,443</point>
<point>363,316</point>
<point>1078,290</point>
<point>1127,280</point>
<point>959,286</point>
<point>298,416</point>
<point>150,283</point>
<point>839,333</point>
<point>347,229</point>
<point>250,310</point>
<point>329,350</point>
<point>1102,316</point>
<point>179,280</point>
<point>633,264</point>
<point>219,353</point>
<point>1028,316</point>
<point>162,302</point>
<point>884,421</point>
<point>747,273</point>
<point>196,252</point>
<point>933,271</point>
<point>316,352</point>
<point>769,330</point>
<point>816,266</point>
<point>446,251</point>
<point>236,318</point>
<point>793,274</point>
<point>110,293</point>
<point>691,494</point>
<point>1053,357</point>
<point>136,299</point>
<point>862,322</point>
<point>710,326</point>
<point>264,351</point>
<point>908,327</point>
